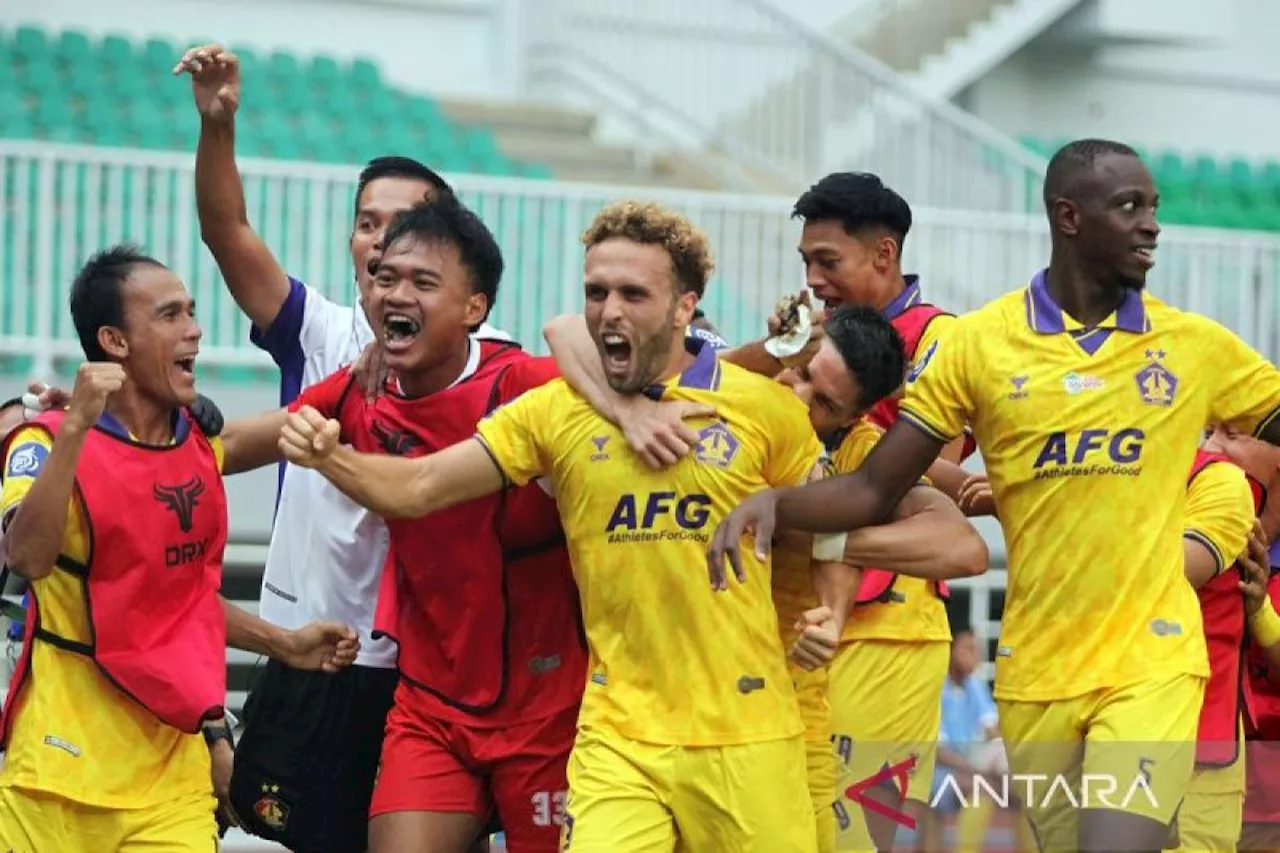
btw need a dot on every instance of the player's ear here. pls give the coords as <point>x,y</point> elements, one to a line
<point>886,252</point>
<point>477,309</point>
<point>1066,217</point>
<point>686,302</point>
<point>113,342</point>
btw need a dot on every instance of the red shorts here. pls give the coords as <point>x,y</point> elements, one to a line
<point>1262,793</point>
<point>518,771</point>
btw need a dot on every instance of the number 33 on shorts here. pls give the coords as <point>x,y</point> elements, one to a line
<point>548,808</point>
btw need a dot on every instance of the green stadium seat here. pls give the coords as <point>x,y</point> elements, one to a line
<point>30,43</point>
<point>283,66</point>
<point>39,77</point>
<point>73,46</point>
<point>159,56</point>
<point>364,74</point>
<point>116,52</point>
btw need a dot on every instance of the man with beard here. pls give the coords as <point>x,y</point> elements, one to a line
<point>1088,397</point>
<point>857,364</point>
<point>309,752</point>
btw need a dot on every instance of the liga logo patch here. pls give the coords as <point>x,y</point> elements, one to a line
<point>25,461</point>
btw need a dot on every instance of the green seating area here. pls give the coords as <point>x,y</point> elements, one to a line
<point>67,87</point>
<point>1204,191</point>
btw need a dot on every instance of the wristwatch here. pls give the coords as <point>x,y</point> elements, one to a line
<point>214,732</point>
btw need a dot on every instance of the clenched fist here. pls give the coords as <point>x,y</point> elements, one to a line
<point>819,638</point>
<point>95,382</point>
<point>308,438</point>
<point>215,80</point>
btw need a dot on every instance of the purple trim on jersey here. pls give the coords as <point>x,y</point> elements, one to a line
<point>1045,317</point>
<point>904,300</point>
<point>282,340</point>
<point>110,423</point>
<point>713,340</point>
<point>704,373</point>
<point>1274,551</point>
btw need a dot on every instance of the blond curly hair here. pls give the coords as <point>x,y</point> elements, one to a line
<point>649,223</point>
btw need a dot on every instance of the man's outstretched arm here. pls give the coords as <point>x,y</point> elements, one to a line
<point>843,503</point>
<point>867,496</point>
<point>928,538</point>
<point>392,487</point>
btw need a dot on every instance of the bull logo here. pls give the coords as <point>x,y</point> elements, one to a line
<point>182,499</point>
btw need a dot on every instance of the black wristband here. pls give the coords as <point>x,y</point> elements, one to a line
<point>216,732</point>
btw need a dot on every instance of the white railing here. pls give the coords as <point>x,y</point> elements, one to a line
<point>61,203</point>
<point>771,95</point>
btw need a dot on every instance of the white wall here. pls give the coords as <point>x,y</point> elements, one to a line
<point>1219,93</point>
<point>446,47</point>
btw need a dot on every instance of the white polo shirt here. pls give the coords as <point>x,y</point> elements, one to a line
<point>326,554</point>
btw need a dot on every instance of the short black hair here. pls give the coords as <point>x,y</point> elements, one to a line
<point>858,200</point>
<point>399,167</point>
<point>447,220</point>
<point>871,347</point>
<point>97,297</point>
<point>1073,161</point>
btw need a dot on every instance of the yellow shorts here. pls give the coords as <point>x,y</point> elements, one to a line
<point>886,708</point>
<point>1129,748</point>
<point>820,764</point>
<point>33,822</point>
<point>1210,817</point>
<point>820,767</point>
<point>632,797</point>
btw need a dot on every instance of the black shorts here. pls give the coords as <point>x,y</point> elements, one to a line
<point>308,757</point>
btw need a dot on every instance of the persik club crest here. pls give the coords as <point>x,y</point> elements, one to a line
<point>270,809</point>
<point>1156,384</point>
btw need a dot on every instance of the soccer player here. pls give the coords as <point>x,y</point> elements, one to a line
<point>689,731</point>
<point>1261,818</point>
<point>1088,397</point>
<point>857,364</point>
<point>115,512</point>
<point>887,680</point>
<point>491,659</point>
<point>316,741</point>
<point>1222,502</point>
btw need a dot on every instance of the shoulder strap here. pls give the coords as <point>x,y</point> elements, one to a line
<point>495,392</point>
<point>346,390</point>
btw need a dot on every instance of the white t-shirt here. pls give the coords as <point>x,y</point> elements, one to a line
<point>326,553</point>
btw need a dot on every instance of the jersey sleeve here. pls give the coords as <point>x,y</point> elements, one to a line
<point>1247,392</point>
<point>939,397</point>
<point>28,450</point>
<point>304,326</point>
<point>793,447</point>
<point>326,395</point>
<point>219,452</point>
<point>934,330</point>
<point>518,434</point>
<point>1219,513</point>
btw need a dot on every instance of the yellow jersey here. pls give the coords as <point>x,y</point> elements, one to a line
<point>914,613</point>
<point>670,661</point>
<point>76,735</point>
<point>1088,435</point>
<point>1220,511</point>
